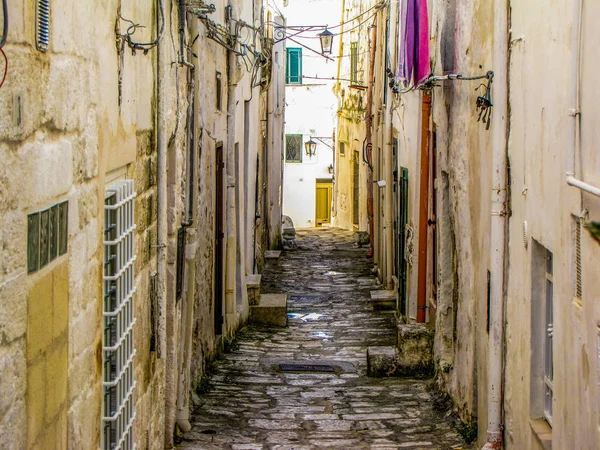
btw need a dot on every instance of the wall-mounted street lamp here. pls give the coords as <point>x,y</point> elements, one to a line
<point>281,33</point>
<point>326,38</point>
<point>311,148</point>
<point>330,169</point>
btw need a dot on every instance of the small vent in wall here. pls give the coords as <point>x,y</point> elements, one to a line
<point>577,238</point>
<point>42,37</point>
<point>525,234</point>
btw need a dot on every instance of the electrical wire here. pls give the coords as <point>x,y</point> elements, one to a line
<point>5,26</point>
<point>5,67</point>
<point>127,36</point>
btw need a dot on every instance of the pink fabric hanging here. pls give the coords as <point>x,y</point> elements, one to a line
<point>413,62</point>
<point>422,64</point>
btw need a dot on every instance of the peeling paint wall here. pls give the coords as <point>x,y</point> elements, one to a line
<point>78,118</point>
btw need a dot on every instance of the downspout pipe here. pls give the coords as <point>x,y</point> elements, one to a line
<point>230,210</point>
<point>498,227</point>
<point>369,139</point>
<point>572,180</point>
<point>161,214</point>
<point>182,414</point>
<point>389,168</point>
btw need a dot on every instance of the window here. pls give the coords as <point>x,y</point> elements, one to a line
<point>354,63</point>
<point>118,350</point>
<point>293,148</point>
<point>342,148</point>
<point>293,71</point>
<point>47,236</point>
<point>218,90</point>
<point>542,324</point>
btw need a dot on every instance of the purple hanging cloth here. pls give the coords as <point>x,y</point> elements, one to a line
<point>413,61</point>
<point>407,41</point>
<point>422,63</point>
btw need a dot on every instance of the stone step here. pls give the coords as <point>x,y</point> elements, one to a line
<point>271,310</point>
<point>272,256</point>
<point>383,300</point>
<point>382,361</point>
<point>253,288</point>
<point>415,350</point>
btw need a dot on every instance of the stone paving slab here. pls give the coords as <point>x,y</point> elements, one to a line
<point>253,406</point>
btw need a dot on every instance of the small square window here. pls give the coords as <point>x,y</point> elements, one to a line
<point>293,148</point>
<point>342,148</point>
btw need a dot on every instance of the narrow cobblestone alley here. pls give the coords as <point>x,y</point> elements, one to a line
<point>253,405</point>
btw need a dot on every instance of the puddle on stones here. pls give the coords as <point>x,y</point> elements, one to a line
<point>332,273</point>
<point>305,316</point>
<point>322,335</point>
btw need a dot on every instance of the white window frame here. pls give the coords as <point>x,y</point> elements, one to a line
<point>118,318</point>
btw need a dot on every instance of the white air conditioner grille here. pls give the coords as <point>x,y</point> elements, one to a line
<point>118,318</point>
<point>42,25</point>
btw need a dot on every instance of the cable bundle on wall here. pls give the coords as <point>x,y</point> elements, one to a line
<point>3,40</point>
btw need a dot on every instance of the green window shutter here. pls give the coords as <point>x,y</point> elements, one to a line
<point>293,72</point>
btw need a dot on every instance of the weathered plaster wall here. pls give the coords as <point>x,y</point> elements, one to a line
<point>73,140</point>
<point>541,139</point>
<point>351,115</point>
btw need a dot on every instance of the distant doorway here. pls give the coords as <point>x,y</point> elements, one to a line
<point>323,202</point>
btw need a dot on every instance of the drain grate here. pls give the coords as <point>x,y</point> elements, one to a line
<point>308,298</point>
<point>306,368</point>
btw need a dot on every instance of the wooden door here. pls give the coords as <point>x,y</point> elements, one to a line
<point>424,179</point>
<point>323,202</point>
<point>402,222</point>
<point>219,241</point>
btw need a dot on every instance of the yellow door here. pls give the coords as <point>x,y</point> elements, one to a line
<point>323,210</point>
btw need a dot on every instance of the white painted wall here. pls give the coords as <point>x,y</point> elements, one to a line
<point>310,110</point>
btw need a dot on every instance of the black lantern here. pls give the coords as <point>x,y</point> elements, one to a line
<point>326,38</point>
<point>311,148</point>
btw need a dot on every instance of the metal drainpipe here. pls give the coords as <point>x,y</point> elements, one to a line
<point>231,226</point>
<point>498,226</point>
<point>182,413</point>
<point>576,112</point>
<point>369,138</point>
<point>389,171</point>
<point>161,214</point>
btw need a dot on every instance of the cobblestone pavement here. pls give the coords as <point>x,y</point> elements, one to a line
<point>253,405</point>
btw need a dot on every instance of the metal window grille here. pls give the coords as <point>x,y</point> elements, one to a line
<point>293,148</point>
<point>578,285</point>
<point>548,344</point>
<point>42,38</point>
<point>118,317</point>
